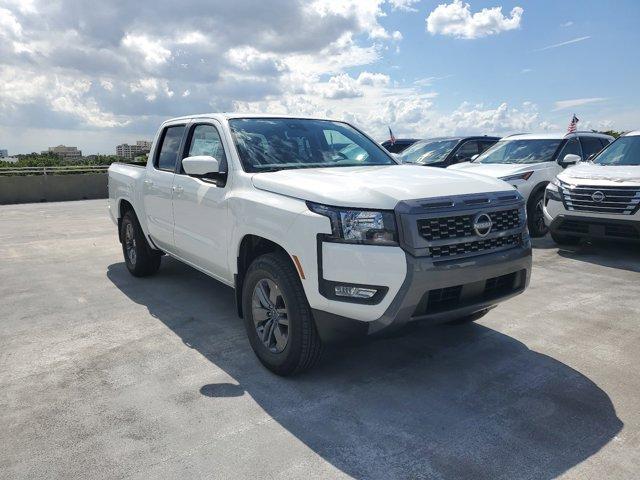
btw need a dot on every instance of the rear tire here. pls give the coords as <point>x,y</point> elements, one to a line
<point>535,215</point>
<point>140,258</point>
<point>277,316</point>
<point>561,239</point>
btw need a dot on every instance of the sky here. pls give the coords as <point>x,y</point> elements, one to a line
<point>94,74</point>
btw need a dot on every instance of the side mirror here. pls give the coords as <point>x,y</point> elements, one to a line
<point>570,159</point>
<point>200,165</point>
<point>475,156</point>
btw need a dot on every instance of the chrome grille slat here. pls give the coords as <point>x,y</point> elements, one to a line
<point>619,200</point>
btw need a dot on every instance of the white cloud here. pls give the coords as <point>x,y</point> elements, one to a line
<point>152,51</point>
<point>404,5</point>
<point>373,79</point>
<point>562,44</point>
<point>151,88</point>
<point>456,20</point>
<point>429,81</point>
<point>566,24</point>
<point>9,24</point>
<point>576,102</point>
<point>106,84</point>
<point>249,59</point>
<point>341,86</point>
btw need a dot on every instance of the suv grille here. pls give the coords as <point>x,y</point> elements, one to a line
<point>616,200</point>
<point>461,226</point>
<point>478,246</point>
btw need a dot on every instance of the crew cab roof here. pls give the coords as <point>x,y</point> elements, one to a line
<point>554,135</point>
<point>228,116</point>
<point>634,133</point>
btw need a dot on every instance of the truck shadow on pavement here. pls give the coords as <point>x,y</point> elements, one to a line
<point>442,402</point>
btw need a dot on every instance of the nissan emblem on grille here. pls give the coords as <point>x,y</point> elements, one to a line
<point>597,197</point>
<point>482,224</point>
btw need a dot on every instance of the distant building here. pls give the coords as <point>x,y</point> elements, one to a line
<point>66,153</point>
<point>129,152</point>
<point>4,153</point>
<point>10,159</point>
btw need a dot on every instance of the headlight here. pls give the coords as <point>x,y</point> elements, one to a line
<point>519,176</point>
<point>359,226</point>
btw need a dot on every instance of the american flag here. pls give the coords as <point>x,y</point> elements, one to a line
<point>573,125</point>
<point>392,139</point>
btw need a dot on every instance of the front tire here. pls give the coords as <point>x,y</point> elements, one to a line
<point>140,258</point>
<point>535,215</point>
<point>277,316</point>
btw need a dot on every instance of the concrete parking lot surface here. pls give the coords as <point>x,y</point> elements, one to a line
<point>108,376</point>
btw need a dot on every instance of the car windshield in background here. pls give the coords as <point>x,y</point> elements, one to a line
<point>428,151</point>
<point>624,151</point>
<point>267,144</point>
<point>520,151</point>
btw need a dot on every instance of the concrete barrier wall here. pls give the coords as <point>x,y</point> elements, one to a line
<point>52,188</point>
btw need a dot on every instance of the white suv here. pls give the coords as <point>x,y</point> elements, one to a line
<point>530,161</point>
<point>598,199</point>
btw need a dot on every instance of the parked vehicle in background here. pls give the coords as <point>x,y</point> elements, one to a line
<point>530,161</point>
<point>399,145</point>
<point>319,230</point>
<point>600,198</point>
<point>446,151</point>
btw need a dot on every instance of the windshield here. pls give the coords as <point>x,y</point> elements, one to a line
<point>520,151</point>
<point>624,151</point>
<point>268,144</point>
<point>428,151</point>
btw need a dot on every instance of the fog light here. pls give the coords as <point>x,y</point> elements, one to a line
<point>354,292</point>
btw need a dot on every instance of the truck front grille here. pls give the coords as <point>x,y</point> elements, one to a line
<point>615,200</point>
<point>461,226</point>
<point>476,246</point>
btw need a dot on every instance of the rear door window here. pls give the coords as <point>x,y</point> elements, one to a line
<point>167,155</point>
<point>571,147</point>
<point>467,150</point>
<point>590,146</point>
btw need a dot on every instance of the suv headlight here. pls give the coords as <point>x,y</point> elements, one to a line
<point>372,227</point>
<point>519,176</point>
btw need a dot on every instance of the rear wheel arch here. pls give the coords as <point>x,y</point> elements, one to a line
<point>531,205</point>
<point>123,207</point>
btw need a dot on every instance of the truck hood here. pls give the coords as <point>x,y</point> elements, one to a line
<point>592,174</point>
<point>379,187</point>
<point>499,170</point>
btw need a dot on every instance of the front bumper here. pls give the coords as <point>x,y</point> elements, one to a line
<point>442,291</point>
<point>590,227</point>
<point>442,269</point>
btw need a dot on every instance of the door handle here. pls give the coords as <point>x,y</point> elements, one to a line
<point>178,189</point>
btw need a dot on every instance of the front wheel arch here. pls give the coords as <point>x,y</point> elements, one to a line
<point>535,192</point>
<point>251,247</point>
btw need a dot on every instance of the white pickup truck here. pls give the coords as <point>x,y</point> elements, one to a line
<point>598,198</point>
<point>319,230</point>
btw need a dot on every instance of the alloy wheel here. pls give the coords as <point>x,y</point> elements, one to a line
<point>270,315</point>
<point>130,243</point>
